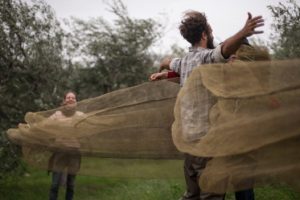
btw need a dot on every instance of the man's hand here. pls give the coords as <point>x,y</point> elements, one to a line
<point>231,45</point>
<point>251,25</point>
<point>158,76</point>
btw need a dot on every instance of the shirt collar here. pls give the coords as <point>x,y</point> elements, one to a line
<point>195,49</point>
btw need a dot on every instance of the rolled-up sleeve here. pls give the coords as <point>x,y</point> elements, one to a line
<point>217,55</point>
<point>175,65</point>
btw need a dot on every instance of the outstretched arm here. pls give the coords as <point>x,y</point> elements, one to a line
<point>231,45</point>
<point>158,76</point>
<point>164,65</point>
<point>163,75</point>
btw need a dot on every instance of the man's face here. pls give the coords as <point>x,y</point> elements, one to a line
<point>70,100</point>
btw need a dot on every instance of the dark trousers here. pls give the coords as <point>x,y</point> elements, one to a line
<point>56,179</point>
<point>193,168</point>
<point>245,195</point>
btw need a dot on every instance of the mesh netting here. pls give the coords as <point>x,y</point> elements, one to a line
<point>125,133</point>
<point>246,115</point>
<point>251,129</point>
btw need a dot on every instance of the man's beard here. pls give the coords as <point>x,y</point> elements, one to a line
<point>210,43</point>
<point>68,111</point>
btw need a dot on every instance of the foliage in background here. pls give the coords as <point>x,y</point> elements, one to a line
<point>30,65</point>
<point>37,61</point>
<point>115,55</point>
<point>286,25</point>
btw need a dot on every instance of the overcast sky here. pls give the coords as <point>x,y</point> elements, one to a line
<point>225,16</point>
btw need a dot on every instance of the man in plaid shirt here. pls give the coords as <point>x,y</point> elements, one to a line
<point>197,31</point>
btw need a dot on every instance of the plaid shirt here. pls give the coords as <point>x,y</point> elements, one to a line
<point>195,58</point>
<point>194,116</point>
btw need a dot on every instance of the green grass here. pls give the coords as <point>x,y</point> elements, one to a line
<point>133,168</point>
<point>36,187</point>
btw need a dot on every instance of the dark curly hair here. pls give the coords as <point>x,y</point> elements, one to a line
<point>192,26</point>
